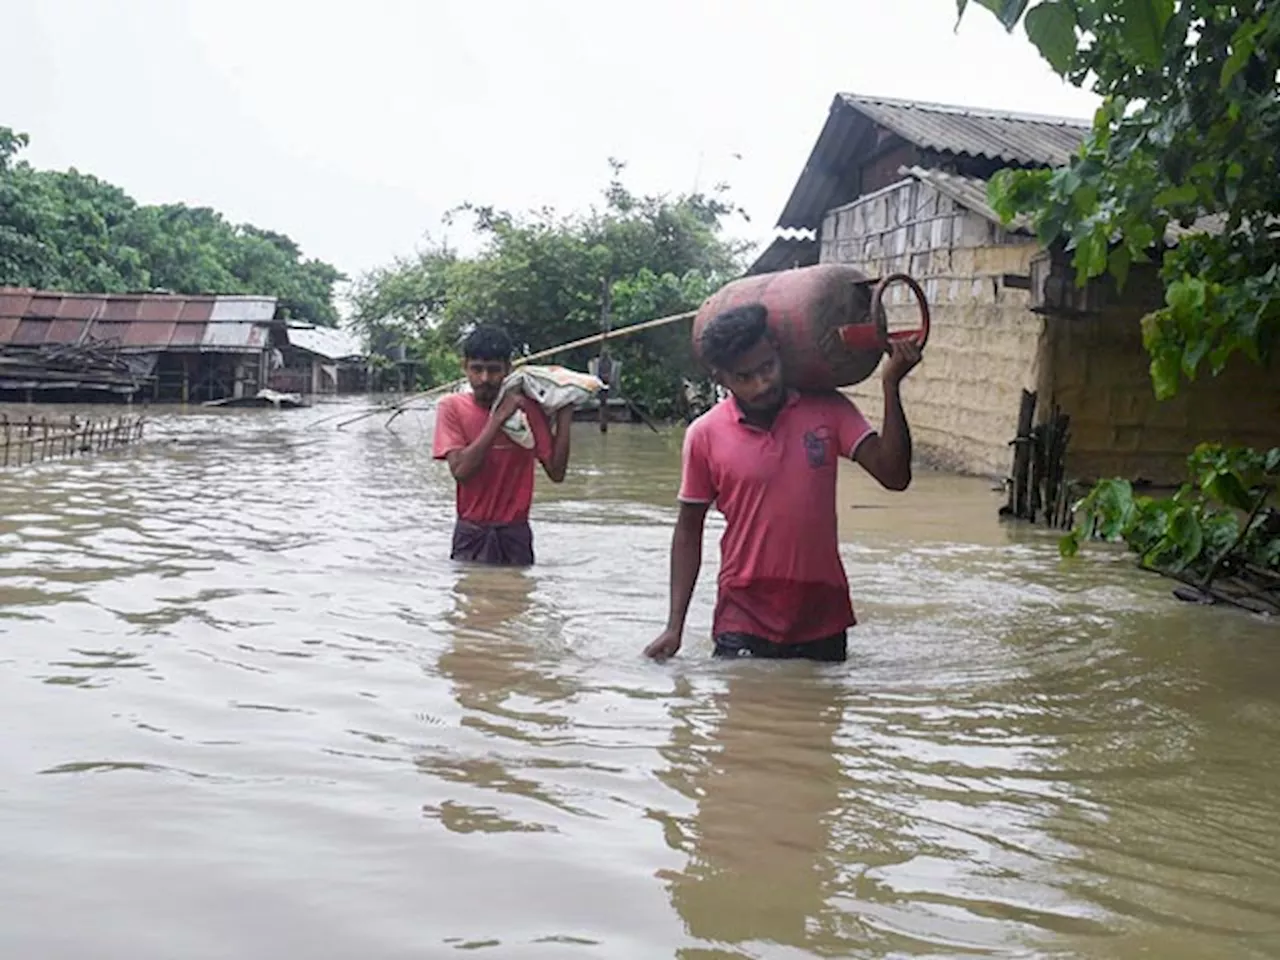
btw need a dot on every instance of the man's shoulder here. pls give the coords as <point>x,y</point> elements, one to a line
<point>826,401</point>
<point>702,427</point>
<point>720,413</point>
<point>825,406</point>
<point>450,400</point>
<point>461,403</point>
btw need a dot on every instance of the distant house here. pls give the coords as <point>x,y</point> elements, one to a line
<point>319,360</point>
<point>901,186</point>
<point>155,346</point>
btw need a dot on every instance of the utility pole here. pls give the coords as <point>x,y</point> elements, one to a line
<point>604,368</point>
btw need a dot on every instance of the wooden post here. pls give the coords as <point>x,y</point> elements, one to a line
<point>5,417</point>
<point>44,447</point>
<point>604,355</point>
<point>1054,465</point>
<point>1022,454</point>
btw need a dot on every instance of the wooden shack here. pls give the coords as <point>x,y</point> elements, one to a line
<point>317,361</point>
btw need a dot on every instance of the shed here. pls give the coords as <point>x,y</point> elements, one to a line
<point>319,360</point>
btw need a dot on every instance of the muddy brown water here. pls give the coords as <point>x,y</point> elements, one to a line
<point>252,711</point>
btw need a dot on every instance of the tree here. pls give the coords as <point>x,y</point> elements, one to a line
<point>72,231</point>
<point>543,276</point>
<point>1188,134</point>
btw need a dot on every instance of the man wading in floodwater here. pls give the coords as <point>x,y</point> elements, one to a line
<point>494,474</point>
<point>766,456</point>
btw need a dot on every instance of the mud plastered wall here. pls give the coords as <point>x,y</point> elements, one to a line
<point>1100,375</point>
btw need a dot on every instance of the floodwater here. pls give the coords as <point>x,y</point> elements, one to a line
<point>251,710</point>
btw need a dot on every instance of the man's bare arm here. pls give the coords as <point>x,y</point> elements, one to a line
<point>558,464</point>
<point>887,455</point>
<point>464,463</point>
<point>686,561</point>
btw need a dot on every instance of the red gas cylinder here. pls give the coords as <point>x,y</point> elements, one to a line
<point>828,319</point>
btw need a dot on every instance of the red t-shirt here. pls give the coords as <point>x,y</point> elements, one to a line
<point>780,572</point>
<point>501,491</point>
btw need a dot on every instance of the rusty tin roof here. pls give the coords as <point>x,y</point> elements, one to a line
<point>143,322</point>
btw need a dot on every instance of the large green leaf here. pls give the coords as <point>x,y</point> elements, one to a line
<point>1187,535</point>
<point>1176,196</point>
<point>1118,264</point>
<point>1051,26</point>
<point>1143,24</point>
<point>1227,489</point>
<point>1165,370</point>
<point>1242,47</point>
<point>1069,544</point>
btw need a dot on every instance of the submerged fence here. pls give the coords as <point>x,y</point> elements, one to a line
<point>26,440</point>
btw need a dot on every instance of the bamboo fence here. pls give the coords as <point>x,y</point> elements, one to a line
<point>28,440</point>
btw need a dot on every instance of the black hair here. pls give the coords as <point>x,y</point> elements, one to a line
<point>732,333</point>
<point>487,343</point>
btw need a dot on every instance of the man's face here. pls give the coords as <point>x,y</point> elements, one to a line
<point>755,379</point>
<point>485,377</point>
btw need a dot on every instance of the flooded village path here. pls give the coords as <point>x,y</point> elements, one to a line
<point>253,711</point>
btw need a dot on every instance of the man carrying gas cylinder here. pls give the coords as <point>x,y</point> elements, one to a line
<point>766,456</point>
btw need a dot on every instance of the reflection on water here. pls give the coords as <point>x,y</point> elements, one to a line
<point>254,711</point>
<point>758,758</point>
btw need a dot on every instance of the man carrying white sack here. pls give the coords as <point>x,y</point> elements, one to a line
<point>491,438</point>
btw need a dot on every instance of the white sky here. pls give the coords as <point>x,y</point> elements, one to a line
<point>353,126</point>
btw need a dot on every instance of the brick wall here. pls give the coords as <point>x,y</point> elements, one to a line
<point>985,345</point>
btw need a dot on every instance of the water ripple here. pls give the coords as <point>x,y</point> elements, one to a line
<point>255,712</point>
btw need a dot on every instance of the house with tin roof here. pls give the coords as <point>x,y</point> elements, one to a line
<point>901,186</point>
<point>136,346</point>
<point>320,361</point>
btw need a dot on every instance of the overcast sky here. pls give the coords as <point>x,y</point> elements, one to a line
<point>352,126</point>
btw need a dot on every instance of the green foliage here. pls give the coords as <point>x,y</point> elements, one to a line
<point>1188,135</point>
<point>1008,11</point>
<point>73,232</point>
<point>656,363</point>
<point>1216,521</point>
<point>543,276</point>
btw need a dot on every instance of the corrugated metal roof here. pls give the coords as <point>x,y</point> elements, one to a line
<point>138,321</point>
<point>785,253</point>
<point>1016,138</point>
<point>233,336</point>
<point>1213,224</point>
<point>243,309</point>
<point>849,139</point>
<point>328,342</point>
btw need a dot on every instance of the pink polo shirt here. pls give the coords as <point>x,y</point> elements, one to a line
<point>780,572</point>
<point>501,491</point>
